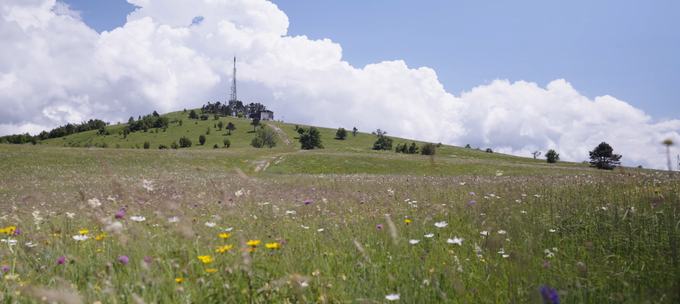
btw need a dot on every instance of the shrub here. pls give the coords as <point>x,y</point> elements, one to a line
<point>193,115</point>
<point>147,145</point>
<point>552,156</point>
<point>488,150</point>
<point>265,137</point>
<point>162,146</point>
<point>180,122</point>
<point>310,138</point>
<point>383,143</point>
<point>427,149</point>
<point>227,143</point>
<point>184,142</point>
<point>215,146</point>
<point>207,131</point>
<point>201,139</point>
<point>341,134</point>
<point>204,117</point>
<point>174,145</point>
<point>217,116</point>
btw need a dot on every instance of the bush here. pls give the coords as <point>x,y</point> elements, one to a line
<point>162,146</point>
<point>266,137</point>
<point>207,131</point>
<point>147,145</point>
<point>204,117</point>
<point>227,143</point>
<point>193,115</point>
<point>310,138</point>
<point>201,139</point>
<point>383,143</point>
<point>427,149</point>
<point>552,156</point>
<point>174,145</point>
<point>488,150</point>
<point>180,122</point>
<point>341,134</point>
<point>184,142</point>
<point>215,146</point>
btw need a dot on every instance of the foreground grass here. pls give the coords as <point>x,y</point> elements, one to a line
<point>594,238</point>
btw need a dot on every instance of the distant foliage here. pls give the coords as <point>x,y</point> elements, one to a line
<point>184,142</point>
<point>428,149</point>
<point>174,145</point>
<point>552,156</point>
<point>341,134</point>
<point>216,116</point>
<point>193,114</point>
<point>488,150</point>
<point>201,139</point>
<point>310,138</point>
<point>162,146</point>
<point>266,137</point>
<point>603,157</point>
<point>383,143</point>
<point>204,117</point>
<point>536,154</point>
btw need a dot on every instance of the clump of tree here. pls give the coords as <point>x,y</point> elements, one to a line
<point>233,106</point>
<point>204,117</point>
<point>428,149</point>
<point>383,142</point>
<point>162,146</point>
<point>552,156</point>
<point>184,142</point>
<point>405,148</point>
<point>603,157</point>
<point>147,122</point>
<point>265,137</point>
<point>310,138</point>
<point>488,150</point>
<point>341,134</point>
<point>61,131</point>
<point>230,127</point>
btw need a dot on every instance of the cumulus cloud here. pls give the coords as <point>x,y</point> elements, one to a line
<point>175,54</point>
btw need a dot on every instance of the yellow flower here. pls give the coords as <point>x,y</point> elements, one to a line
<point>210,270</point>
<point>223,249</point>
<point>101,236</point>
<point>273,245</point>
<point>483,261</point>
<point>179,280</point>
<point>253,243</point>
<point>56,234</point>
<point>83,231</point>
<point>407,221</point>
<point>205,258</point>
<point>251,250</point>
<point>47,242</point>
<point>195,219</point>
<point>99,250</point>
<point>225,235</point>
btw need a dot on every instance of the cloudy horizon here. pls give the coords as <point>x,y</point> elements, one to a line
<point>55,69</point>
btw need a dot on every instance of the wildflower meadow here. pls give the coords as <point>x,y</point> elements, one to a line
<point>113,227</point>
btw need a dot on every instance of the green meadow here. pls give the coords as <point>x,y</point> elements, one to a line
<point>344,224</point>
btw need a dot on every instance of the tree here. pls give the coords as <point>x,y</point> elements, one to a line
<point>266,137</point>
<point>230,127</point>
<point>310,138</point>
<point>383,143</point>
<point>536,154</point>
<point>201,139</point>
<point>102,131</point>
<point>488,150</point>
<point>174,145</point>
<point>227,143</point>
<point>217,116</point>
<point>467,146</point>
<point>427,149</point>
<point>354,132</point>
<point>255,123</point>
<point>207,131</point>
<point>184,142</point>
<point>668,144</point>
<point>193,115</point>
<point>131,120</point>
<point>147,145</point>
<point>413,149</point>
<point>220,125</point>
<point>215,146</point>
<point>204,117</point>
<point>126,131</point>
<point>155,114</point>
<point>379,133</point>
<point>180,121</point>
<point>552,156</point>
<point>341,134</point>
<point>603,157</point>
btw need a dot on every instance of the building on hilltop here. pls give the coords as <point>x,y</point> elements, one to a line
<point>263,115</point>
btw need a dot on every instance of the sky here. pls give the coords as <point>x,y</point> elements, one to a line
<point>514,76</point>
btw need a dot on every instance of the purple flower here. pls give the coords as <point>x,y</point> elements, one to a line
<point>230,199</point>
<point>43,267</point>
<point>147,259</point>
<point>654,205</point>
<point>123,208</point>
<point>307,202</point>
<point>124,259</point>
<point>120,214</point>
<point>195,204</point>
<point>361,196</point>
<point>472,193</point>
<point>379,226</point>
<point>361,202</point>
<point>332,214</point>
<point>549,295</point>
<point>358,264</point>
<point>546,265</point>
<point>270,192</point>
<point>61,260</point>
<point>472,202</point>
<point>5,268</point>
<point>271,254</point>
<point>410,174</point>
<point>141,203</point>
<point>17,231</point>
<point>313,189</point>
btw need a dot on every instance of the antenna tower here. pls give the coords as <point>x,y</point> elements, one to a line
<point>233,83</point>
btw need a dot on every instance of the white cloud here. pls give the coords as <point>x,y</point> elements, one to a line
<point>54,70</point>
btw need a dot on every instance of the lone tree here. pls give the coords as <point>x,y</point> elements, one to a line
<point>255,123</point>
<point>668,144</point>
<point>603,157</point>
<point>341,134</point>
<point>266,137</point>
<point>536,154</point>
<point>184,142</point>
<point>552,156</point>
<point>310,138</point>
<point>354,132</point>
<point>230,127</point>
<point>201,139</point>
<point>220,125</point>
<point>193,115</point>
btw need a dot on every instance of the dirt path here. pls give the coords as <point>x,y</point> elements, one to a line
<point>282,135</point>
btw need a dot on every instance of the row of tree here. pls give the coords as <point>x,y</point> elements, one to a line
<point>61,131</point>
<point>233,108</point>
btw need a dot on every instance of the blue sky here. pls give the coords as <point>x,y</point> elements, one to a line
<point>625,49</point>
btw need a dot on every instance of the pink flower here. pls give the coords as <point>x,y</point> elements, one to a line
<point>313,189</point>
<point>361,202</point>
<point>120,214</point>
<point>379,226</point>
<point>230,199</point>
<point>5,268</point>
<point>472,193</point>
<point>61,260</point>
<point>195,204</point>
<point>141,203</point>
<point>147,259</point>
<point>307,202</point>
<point>124,259</point>
<point>546,265</point>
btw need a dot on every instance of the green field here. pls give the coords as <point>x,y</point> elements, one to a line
<point>368,232</point>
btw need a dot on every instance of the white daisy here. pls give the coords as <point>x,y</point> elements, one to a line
<point>484,232</point>
<point>505,255</point>
<point>392,297</point>
<point>320,230</point>
<point>138,218</point>
<point>80,237</point>
<point>228,229</point>
<point>502,232</point>
<point>30,244</point>
<point>429,235</point>
<point>441,224</point>
<point>291,212</point>
<point>523,212</point>
<point>210,224</point>
<point>414,241</point>
<point>455,240</point>
<point>173,219</point>
<point>552,230</point>
<point>70,215</point>
<point>303,226</point>
<point>9,241</point>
